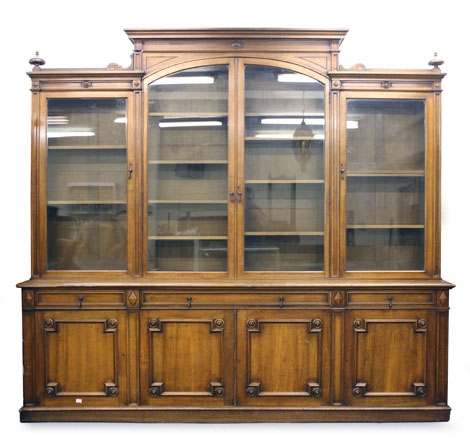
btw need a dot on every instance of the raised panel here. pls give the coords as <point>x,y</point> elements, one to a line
<point>390,358</point>
<point>284,357</point>
<point>83,358</point>
<point>186,357</point>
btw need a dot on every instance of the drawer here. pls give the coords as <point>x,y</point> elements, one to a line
<point>390,299</point>
<point>80,299</point>
<point>189,299</point>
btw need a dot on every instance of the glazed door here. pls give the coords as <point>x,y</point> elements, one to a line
<point>386,174</point>
<point>81,358</point>
<point>86,183</point>
<point>189,171</point>
<point>186,357</point>
<point>283,357</point>
<point>281,172</point>
<point>391,357</point>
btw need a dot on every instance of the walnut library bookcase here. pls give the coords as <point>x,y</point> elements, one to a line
<point>235,229</point>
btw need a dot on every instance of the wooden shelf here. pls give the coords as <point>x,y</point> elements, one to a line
<point>85,202</point>
<point>281,115</point>
<point>384,227</point>
<point>284,233</point>
<point>278,139</point>
<point>187,237</point>
<point>284,181</point>
<point>185,201</point>
<point>382,173</point>
<point>87,147</point>
<point>188,162</point>
<point>186,115</point>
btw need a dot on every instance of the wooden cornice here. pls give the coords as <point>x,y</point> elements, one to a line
<point>323,34</point>
<point>386,74</point>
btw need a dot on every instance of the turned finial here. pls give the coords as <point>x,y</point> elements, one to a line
<point>37,61</point>
<point>436,62</point>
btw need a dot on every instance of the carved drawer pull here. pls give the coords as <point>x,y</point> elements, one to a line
<point>281,302</point>
<point>80,302</point>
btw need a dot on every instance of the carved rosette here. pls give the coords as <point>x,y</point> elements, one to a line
<point>420,389</point>
<point>217,325</point>
<point>51,389</point>
<point>156,389</point>
<point>252,325</point>
<point>154,325</point>
<point>359,325</point>
<point>111,325</point>
<point>359,390</point>
<point>421,325</point>
<point>314,389</point>
<point>49,325</point>
<point>111,390</point>
<point>253,389</point>
<point>316,325</point>
<point>217,389</point>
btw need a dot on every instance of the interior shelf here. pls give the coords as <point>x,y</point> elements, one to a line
<point>187,237</point>
<point>381,173</point>
<point>87,147</point>
<point>85,202</point>
<point>185,201</point>
<point>284,181</point>
<point>284,233</point>
<point>384,226</point>
<point>277,139</point>
<point>186,115</point>
<point>188,162</point>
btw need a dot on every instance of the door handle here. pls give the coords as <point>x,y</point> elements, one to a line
<point>130,171</point>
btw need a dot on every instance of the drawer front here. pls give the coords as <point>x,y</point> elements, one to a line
<point>188,299</point>
<point>80,299</point>
<point>390,299</point>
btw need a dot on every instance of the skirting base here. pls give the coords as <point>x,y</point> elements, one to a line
<point>326,414</point>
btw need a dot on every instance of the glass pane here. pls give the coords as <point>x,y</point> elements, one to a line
<point>385,189</point>
<point>188,171</point>
<point>86,184</point>
<point>284,178</point>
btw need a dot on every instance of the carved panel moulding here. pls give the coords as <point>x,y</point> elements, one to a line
<point>156,324</point>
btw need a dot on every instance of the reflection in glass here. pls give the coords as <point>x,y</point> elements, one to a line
<point>86,184</point>
<point>188,171</point>
<point>385,188</point>
<point>284,177</point>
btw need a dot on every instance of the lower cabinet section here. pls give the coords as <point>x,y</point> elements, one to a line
<point>283,357</point>
<point>382,364</point>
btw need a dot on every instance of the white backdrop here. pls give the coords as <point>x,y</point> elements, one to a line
<point>397,34</point>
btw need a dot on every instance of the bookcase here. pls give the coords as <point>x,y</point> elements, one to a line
<point>235,228</point>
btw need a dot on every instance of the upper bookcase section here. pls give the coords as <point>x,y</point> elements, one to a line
<point>319,47</point>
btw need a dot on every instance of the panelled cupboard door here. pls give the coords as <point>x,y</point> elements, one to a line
<point>390,357</point>
<point>81,358</point>
<point>283,357</point>
<point>187,358</point>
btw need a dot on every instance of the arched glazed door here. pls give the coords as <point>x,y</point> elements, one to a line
<point>236,171</point>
